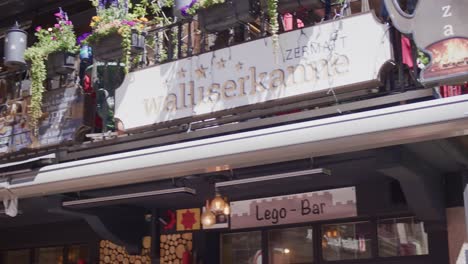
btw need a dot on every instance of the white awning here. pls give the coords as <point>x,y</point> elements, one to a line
<point>12,164</point>
<point>366,130</point>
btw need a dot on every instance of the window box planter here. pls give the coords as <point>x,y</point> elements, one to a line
<point>224,16</point>
<point>60,63</point>
<point>109,48</point>
<point>285,6</point>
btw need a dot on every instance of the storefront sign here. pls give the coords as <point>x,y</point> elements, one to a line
<point>334,54</point>
<point>439,28</point>
<point>297,208</point>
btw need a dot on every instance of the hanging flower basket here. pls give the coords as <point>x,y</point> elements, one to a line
<point>60,63</point>
<point>225,15</point>
<point>109,48</point>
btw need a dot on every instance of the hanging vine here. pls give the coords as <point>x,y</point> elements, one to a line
<point>272,9</point>
<point>61,37</point>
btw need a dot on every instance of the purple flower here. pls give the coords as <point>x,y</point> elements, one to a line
<point>38,28</point>
<point>102,4</point>
<point>113,3</point>
<point>81,38</point>
<point>68,23</point>
<point>59,15</point>
<point>57,25</point>
<point>184,9</point>
<point>129,23</point>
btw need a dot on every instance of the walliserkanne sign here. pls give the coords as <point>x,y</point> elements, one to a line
<point>341,53</point>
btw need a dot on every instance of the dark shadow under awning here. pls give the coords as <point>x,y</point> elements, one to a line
<point>12,168</point>
<point>273,185</point>
<point>158,198</point>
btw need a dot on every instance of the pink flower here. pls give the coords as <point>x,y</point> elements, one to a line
<point>38,28</point>
<point>54,38</point>
<point>59,15</point>
<point>57,25</point>
<point>68,23</point>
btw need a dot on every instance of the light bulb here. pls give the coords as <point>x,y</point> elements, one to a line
<point>286,251</point>
<point>227,210</point>
<point>218,203</point>
<point>208,218</point>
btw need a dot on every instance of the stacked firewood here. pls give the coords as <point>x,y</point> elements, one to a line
<point>172,247</point>
<point>115,254</point>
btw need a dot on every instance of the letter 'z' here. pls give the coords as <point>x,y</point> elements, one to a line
<point>438,27</point>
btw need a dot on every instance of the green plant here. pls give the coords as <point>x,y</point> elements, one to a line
<point>192,8</point>
<point>61,37</point>
<point>272,9</point>
<point>121,17</point>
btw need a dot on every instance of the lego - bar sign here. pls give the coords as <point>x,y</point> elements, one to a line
<point>296,208</point>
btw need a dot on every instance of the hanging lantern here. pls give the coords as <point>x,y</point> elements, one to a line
<point>227,209</point>
<point>208,218</point>
<point>218,203</point>
<point>86,53</point>
<point>15,45</point>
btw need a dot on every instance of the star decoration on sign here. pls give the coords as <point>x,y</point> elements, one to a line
<point>201,72</point>
<point>221,63</point>
<point>166,83</point>
<point>188,220</point>
<point>239,66</point>
<point>181,73</point>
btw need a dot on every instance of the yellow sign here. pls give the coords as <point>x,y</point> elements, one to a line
<point>188,219</point>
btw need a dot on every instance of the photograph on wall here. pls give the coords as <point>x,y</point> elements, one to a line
<point>188,219</point>
<point>176,248</point>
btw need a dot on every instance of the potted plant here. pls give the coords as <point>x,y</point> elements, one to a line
<point>51,42</point>
<point>218,15</point>
<point>86,52</point>
<point>118,30</point>
<point>285,6</point>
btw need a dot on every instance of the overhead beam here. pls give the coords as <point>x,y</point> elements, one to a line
<point>422,185</point>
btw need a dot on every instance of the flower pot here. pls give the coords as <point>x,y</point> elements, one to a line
<point>223,16</point>
<point>109,48</point>
<point>285,6</point>
<point>60,63</point>
<point>15,45</point>
<point>86,54</point>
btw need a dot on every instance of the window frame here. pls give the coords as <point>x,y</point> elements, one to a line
<point>33,257</point>
<point>317,234</point>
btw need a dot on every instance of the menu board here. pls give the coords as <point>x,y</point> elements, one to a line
<point>63,116</point>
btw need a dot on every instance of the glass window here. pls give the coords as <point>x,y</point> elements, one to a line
<point>347,241</point>
<point>291,246</point>
<point>16,257</point>
<point>78,254</point>
<point>242,248</point>
<point>402,237</point>
<point>52,255</point>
